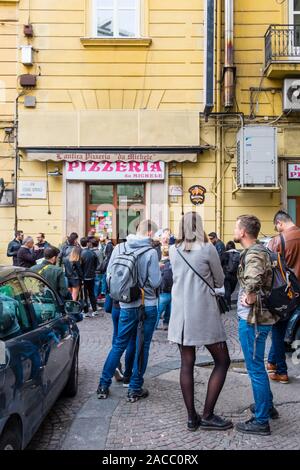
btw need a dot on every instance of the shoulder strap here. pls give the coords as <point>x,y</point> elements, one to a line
<point>282,251</point>
<point>40,271</point>
<point>194,270</point>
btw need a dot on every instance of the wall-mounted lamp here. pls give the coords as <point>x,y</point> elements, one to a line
<point>55,172</point>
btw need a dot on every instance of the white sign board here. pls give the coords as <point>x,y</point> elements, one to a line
<point>175,191</point>
<point>32,190</point>
<point>294,171</point>
<point>108,171</point>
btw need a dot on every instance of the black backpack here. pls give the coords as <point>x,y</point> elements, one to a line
<point>284,297</point>
<point>233,262</point>
<point>166,278</point>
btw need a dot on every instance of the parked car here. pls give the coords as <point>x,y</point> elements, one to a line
<point>39,344</point>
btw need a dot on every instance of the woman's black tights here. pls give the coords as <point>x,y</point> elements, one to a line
<point>216,381</point>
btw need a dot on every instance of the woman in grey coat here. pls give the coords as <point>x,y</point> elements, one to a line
<point>195,319</point>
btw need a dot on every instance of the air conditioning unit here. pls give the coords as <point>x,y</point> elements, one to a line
<point>291,94</point>
<point>257,157</point>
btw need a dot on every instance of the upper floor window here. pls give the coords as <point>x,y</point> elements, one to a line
<point>116,18</point>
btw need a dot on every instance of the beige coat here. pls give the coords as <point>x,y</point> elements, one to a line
<point>195,318</point>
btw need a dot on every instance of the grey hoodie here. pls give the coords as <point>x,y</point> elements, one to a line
<point>148,268</point>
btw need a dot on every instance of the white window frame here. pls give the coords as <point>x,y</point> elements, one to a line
<point>116,20</point>
<point>295,49</point>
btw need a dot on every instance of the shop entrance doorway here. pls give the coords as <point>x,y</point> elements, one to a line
<point>115,209</point>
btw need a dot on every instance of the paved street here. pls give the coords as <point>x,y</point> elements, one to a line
<point>159,422</point>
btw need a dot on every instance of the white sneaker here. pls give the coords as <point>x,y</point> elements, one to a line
<point>90,315</point>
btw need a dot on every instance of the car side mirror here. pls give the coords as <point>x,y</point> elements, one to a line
<point>74,309</point>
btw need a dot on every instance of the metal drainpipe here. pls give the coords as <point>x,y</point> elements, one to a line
<point>229,69</point>
<point>218,128</point>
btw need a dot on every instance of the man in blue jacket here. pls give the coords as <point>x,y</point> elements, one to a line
<point>149,279</point>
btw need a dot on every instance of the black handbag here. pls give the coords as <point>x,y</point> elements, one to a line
<point>222,304</point>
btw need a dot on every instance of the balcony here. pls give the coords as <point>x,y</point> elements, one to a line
<point>282,51</point>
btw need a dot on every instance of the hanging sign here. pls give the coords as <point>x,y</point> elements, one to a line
<point>294,171</point>
<point>197,194</point>
<point>115,171</point>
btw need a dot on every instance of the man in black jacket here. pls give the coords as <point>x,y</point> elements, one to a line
<point>89,262</point>
<point>14,246</point>
<point>26,255</point>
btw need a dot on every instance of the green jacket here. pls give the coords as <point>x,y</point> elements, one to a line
<point>255,276</point>
<point>54,275</point>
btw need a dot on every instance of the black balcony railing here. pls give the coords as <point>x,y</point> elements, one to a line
<point>282,43</point>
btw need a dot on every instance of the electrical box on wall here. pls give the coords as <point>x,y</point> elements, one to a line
<point>27,55</point>
<point>257,157</point>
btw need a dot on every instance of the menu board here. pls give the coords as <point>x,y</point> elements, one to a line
<point>101,221</point>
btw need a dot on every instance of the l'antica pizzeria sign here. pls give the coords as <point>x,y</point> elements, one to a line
<point>109,171</point>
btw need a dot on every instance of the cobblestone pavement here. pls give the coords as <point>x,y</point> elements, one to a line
<point>159,422</point>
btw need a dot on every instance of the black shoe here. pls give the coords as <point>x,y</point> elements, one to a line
<point>102,392</point>
<point>135,395</point>
<point>216,423</point>
<point>273,412</point>
<point>193,424</point>
<point>118,374</point>
<point>126,381</point>
<point>253,427</point>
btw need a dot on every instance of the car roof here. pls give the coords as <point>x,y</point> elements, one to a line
<point>6,271</point>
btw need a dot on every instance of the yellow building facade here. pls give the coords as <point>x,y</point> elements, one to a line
<point>101,105</point>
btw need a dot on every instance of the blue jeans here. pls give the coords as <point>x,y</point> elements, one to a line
<point>130,350</point>
<point>256,367</point>
<point>127,328</point>
<point>164,305</point>
<point>98,282</point>
<point>277,351</point>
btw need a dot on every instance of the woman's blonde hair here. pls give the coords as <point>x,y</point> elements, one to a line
<point>191,231</point>
<point>75,254</point>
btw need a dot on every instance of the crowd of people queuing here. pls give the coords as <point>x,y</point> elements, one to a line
<point>177,280</point>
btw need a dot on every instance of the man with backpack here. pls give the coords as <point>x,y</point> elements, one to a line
<point>289,236</point>
<point>255,322</point>
<point>133,276</point>
<point>230,261</point>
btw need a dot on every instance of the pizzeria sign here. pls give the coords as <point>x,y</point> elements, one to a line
<point>294,171</point>
<point>108,171</point>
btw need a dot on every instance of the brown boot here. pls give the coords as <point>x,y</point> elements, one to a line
<point>271,368</point>
<point>281,378</point>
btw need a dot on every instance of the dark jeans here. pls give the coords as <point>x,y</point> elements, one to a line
<point>230,283</point>
<point>277,351</point>
<point>89,287</point>
<point>127,328</point>
<point>130,350</point>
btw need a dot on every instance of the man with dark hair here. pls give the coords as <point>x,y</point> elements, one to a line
<point>89,262</point>
<point>41,245</point>
<point>52,273</point>
<point>14,246</point>
<point>277,366</point>
<point>149,279</point>
<point>218,244</point>
<point>255,322</point>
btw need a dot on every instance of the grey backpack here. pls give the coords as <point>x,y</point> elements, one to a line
<point>122,278</point>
